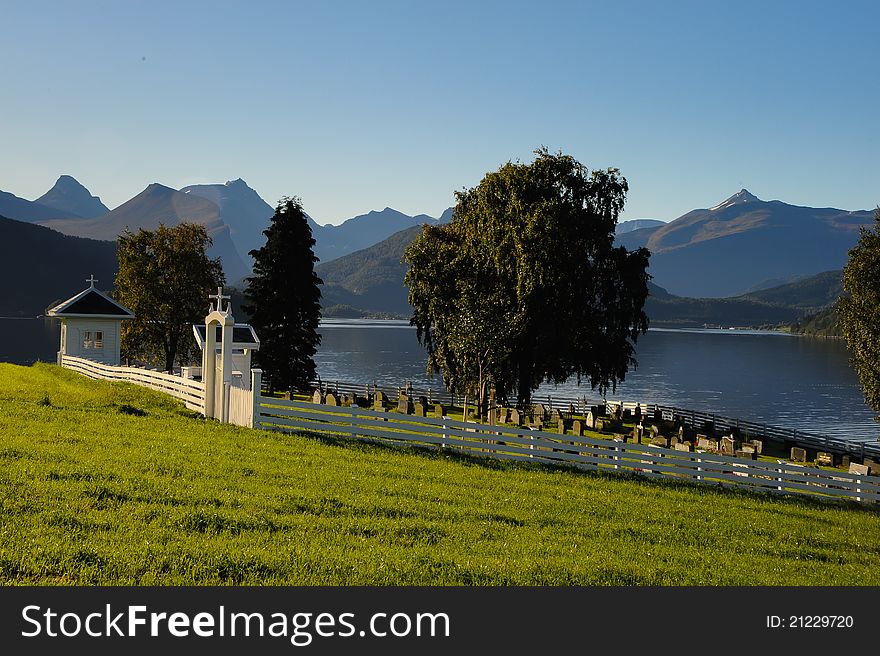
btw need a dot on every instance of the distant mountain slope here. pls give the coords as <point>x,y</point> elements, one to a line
<point>819,324</point>
<point>636,238</point>
<point>48,266</point>
<point>359,232</point>
<point>20,209</point>
<point>70,197</point>
<point>637,224</point>
<point>155,205</point>
<point>370,279</point>
<point>242,209</point>
<point>732,247</point>
<point>811,293</point>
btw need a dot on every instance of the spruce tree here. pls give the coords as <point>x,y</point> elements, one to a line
<point>284,300</point>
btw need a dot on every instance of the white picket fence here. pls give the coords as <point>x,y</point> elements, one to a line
<point>247,407</point>
<point>191,392</point>
<point>551,448</point>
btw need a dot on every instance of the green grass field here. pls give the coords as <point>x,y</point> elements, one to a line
<point>113,484</point>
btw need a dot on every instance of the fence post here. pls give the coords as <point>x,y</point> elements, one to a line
<point>256,393</point>
<point>224,409</point>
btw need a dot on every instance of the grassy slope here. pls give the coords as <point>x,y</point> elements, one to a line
<point>92,494</point>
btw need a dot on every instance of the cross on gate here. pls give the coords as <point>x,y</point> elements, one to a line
<point>220,298</point>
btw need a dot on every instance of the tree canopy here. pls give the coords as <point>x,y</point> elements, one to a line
<point>525,285</point>
<point>165,276</point>
<point>859,310</point>
<point>284,298</point>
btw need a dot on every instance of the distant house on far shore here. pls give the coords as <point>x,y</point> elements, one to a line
<point>90,325</point>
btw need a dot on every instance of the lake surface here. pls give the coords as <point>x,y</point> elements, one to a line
<point>793,382</point>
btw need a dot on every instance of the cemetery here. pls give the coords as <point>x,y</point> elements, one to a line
<point>631,423</point>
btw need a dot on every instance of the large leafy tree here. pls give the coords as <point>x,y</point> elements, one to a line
<point>284,298</point>
<point>859,310</point>
<point>525,285</point>
<point>165,276</point>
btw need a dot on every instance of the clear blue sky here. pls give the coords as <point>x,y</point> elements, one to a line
<point>360,105</point>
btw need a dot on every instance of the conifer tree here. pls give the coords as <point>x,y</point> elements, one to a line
<point>284,300</point>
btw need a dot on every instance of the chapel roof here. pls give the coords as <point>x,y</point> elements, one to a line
<point>91,302</point>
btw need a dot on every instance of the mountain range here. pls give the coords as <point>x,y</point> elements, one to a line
<point>732,252</point>
<point>746,243</point>
<point>370,282</point>
<point>233,213</point>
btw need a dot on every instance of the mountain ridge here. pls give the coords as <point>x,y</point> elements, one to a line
<point>69,195</point>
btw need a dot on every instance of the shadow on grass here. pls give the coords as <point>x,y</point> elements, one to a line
<point>790,500</point>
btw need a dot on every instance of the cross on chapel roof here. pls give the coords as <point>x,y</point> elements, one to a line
<point>91,280</point>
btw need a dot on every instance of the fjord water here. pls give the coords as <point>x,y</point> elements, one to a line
<point>792,382</point>
<point>773,378</point>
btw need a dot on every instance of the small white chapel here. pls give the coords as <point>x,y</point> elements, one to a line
<point>91,324</point>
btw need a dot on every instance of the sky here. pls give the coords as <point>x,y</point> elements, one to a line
<point>355,106</point>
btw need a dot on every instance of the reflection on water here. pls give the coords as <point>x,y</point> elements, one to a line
<point>24,341</point>
<point>778,379</point>
<point>794,382</point>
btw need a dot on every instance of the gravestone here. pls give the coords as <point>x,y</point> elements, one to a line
<point>404,405</point>
<point>577,428</point>
<point>317,396</point>
<point>536,422</point>
<point>419,410</point>
<point>556,415</point>
<point>424,401</point>
<point>856,468</point>
<point>515,417</point>
<point>727,446</point>
<point>540,411</point>
<point>708,445</point>
<point>330,399</point>
<point>590,421</point>
<point>637,434</point>
<point>493,415</point>
<point>700,436</point>
<point>379,401</point>
<point>599,425</point>
<point>659,440</point>
<point>798,454</point>
<point>873,466</point>
<point>658,415</point>
<point>439,410</point>
<point>637,413</point>
<point>571,408</point>
<point>682,446</point>
<point>759,446</point>
<point>655,431</point>
<point>503,415</point>
<point>844,461</point>
<point>560,426</point>
<point>748,455</point>
<point>824,458</point>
